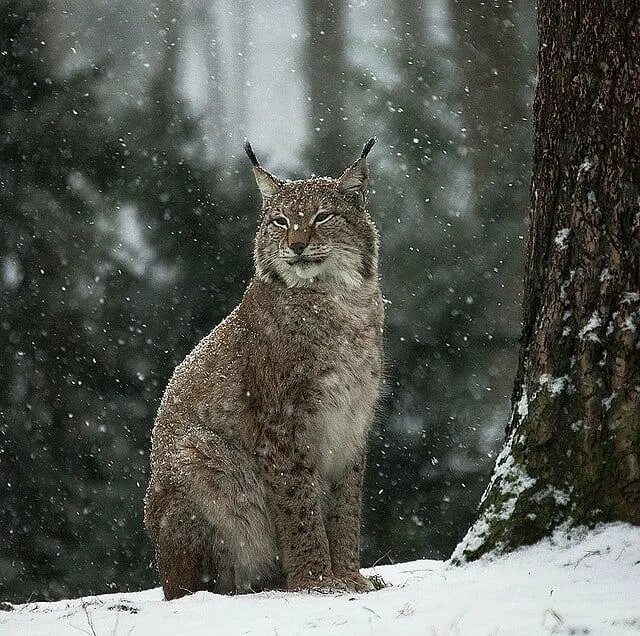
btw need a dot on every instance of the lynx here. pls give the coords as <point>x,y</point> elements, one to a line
<point>259,444</point>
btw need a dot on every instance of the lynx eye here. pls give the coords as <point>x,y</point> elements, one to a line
<point>280,221</point>
<point>323,217</point>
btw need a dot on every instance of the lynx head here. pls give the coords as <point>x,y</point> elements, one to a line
<point>316,232</point>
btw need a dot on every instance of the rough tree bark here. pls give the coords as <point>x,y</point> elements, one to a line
<point>573,439</point>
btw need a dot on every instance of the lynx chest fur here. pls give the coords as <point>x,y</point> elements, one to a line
<point>324,358</point>
<point>258,450</point>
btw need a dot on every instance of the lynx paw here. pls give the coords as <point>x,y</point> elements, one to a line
<point>326,585</point>
<point>355,582</point>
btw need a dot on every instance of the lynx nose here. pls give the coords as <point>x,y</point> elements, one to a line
<point>298,248</point>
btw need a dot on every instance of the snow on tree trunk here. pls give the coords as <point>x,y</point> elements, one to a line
<point>573,439</point>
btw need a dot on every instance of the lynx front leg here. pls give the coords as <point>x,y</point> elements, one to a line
<point>293,492</point>
<point>294,497</point>
<point>343,528</point>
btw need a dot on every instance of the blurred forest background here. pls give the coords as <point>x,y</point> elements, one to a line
<point>127,213</point>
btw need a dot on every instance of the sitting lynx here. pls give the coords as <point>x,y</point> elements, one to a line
<point>259,443</point>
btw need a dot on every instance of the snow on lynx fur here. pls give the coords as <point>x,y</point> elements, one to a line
<point>259,443</point>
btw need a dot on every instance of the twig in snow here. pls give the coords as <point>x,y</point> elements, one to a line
<point>584,556</point>
<point>555,616</point>
<point>370,610</point>
<point>386,554</point>
<point>621,553</point>
<point>406,610</point>
<point>86,613</point>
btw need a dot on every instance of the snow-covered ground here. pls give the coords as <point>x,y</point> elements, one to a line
<point>589,584</point>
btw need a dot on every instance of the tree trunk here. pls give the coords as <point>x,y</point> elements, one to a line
<point>327,80</point>
<point>164,91</point>
<point>573,439</point>
<point>494,90</point>
<point>491,70</point>
<point>204,23</point>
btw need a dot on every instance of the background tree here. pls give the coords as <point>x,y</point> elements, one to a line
<point>50,287</point>
<point>103,220</point>
<point>126,228</point>
<point>572,454</point>
<point>327,76</point>
<point>449,244</point>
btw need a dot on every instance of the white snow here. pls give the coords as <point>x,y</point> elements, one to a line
<point>629,324</point>
<point>606,403</point>
<point>585,166</point>
<point>562,237</point>
<point>561,497</point>
<point>594,323</point>
<point>523,404</point>
<point>588,584</point>
<point>555,385</point>
<point>511,481</point>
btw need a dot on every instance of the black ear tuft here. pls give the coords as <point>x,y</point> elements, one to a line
<point>367,147</point>
<point>267,183</point>
<point>354,179</point>
<point>252,155</point>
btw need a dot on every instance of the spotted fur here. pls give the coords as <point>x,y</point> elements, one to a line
<point>259,443</point>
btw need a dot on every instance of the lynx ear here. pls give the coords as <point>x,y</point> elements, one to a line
<point>267,183</point>
<point>354,180</point>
